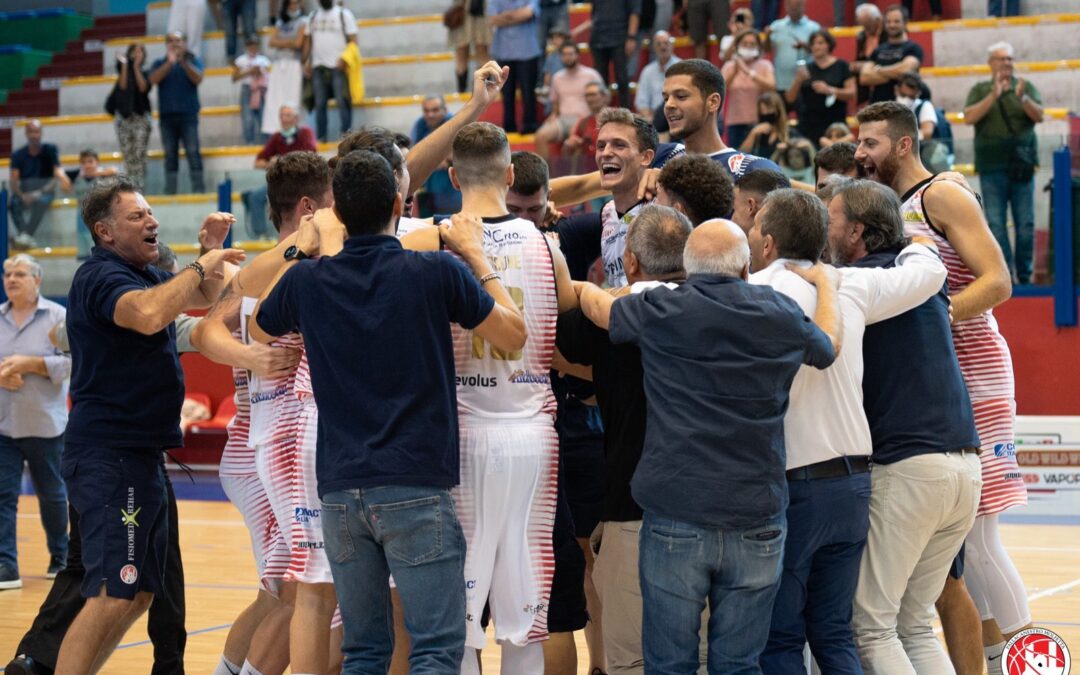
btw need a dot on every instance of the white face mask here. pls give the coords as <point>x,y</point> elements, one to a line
<point>749,53</point>
<point>905,100</point>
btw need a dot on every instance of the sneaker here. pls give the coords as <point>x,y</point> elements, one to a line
<point>9,579</point>
<point>23,240</point>
<point>24,665</point>
<point>56,564</point>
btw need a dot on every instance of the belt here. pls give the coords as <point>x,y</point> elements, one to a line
<point>831,468</point>
<point>964,451</point>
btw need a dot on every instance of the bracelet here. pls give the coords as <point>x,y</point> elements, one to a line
<point>488,277</point>
<point>199,269</point>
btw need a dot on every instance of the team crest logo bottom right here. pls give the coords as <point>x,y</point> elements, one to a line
<point>1036,651</point>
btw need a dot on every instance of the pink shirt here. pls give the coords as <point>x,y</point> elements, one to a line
<point>742,93</point>
<point>568,90</point>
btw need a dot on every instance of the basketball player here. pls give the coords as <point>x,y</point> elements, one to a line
<point>263,468</point>
<point>509,447</point>
<point>978,281</point>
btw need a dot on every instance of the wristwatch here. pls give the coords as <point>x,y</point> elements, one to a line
<point>294,253</point>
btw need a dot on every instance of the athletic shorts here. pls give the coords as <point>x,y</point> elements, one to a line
<point>506,506</point>
<point>584,479</point>
<point>956,570</point>
<point>267,542</point>
<point>120,497</point>
<point>307,547</point>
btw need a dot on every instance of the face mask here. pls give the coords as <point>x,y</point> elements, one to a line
<point>905,101</point>
<point>749,53</point>
<point>769,118</point>
<point>289,133</point>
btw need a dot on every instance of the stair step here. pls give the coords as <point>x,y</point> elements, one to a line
<point>31,109</point>
<point>70,70</point>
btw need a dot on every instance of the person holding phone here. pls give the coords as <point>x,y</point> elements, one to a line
<point>821,88</point>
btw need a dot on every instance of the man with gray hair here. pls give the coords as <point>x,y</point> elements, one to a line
<point>653,256</point>
<point>1005,110</point>
<point>711,475</point>
<point>825,430</point>
<point>33,401</point>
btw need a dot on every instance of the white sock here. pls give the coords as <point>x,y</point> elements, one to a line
<point>527,660</point>
<point>470,663</point>
<point>226,667</point>
<point>993,658</point>
<point>249,669</point>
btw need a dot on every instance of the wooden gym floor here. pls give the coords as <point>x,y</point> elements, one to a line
<point>221,581</point>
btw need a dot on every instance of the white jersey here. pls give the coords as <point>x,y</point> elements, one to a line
<point>273,404</point>
<point>494,383</point>
<point>613,241</point>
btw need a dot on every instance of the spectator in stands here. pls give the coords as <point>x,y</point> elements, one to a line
<point>699,15</point>
<point>1011,7</point>
<point>82,179</point>
<point>514,43</point>
<point>33,391</point>
<point>35,173</point>
<point>772,131</point>
<point>177,76</point>
<point>330,29</point>
<point>836,159</point>
<point>650,86</point>
<point>1005,110</point>
<point>581,144</point>
<point>552,65</point>
<point>740,20</point>
<point>766,12</point>
<point>821,88</point>
<point>789,41</point>
<point>254,69</point>
<point>439,194</point>
<point>747,76</point>
<point>568,103</point>
<point>871,27</point>
<point>796,160</point>
<point>290,137</point>
<point>131,109</point>
<point>909,91</point>
<point>475,33</point>
<point>554,18</point>
<point>935,8</point>
<point>613,40</point>
<point>838,132</point>
<point>187,17</point>
<point>287,72</point>
<point>892,58</point>
<point>238,10</point>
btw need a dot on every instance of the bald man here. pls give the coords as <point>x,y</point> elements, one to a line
<point>711,475</point>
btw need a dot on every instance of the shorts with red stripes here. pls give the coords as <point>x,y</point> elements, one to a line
<point>267,542</point>
<point>1003,484</point>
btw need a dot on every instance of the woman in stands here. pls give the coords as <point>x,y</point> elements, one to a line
<point>747,75</point>
<point>130,104</point>
<point>287,72</point>
<point>772,132</point>
<point>821,88</point>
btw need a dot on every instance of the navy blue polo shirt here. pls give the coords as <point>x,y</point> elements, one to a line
<point>41,165</point>
<point>177,94</point>
<point>126,388</point>
<point>719,356</point>
<point>376,325</point>
<point>913,392</point>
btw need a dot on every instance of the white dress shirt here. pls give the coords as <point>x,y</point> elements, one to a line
<point>825,418</point>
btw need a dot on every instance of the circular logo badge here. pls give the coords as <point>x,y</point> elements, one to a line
<point>1036,651</point>
<point>128,574</point>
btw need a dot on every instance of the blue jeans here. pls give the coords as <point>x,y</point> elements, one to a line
<point>27,218</point>
<point>414,534</point>
<point>1012,7</point>
<point>84,241</point>
<point>237,9</point>
<point>765,12</point>
<point>255,207</point>
<point>736,571</point>
<point>828,521</point>
<point>177,129</point>
<point>338,86</point>
<point>998,192</point>
<point>251,118</point>
<point>42,457</point>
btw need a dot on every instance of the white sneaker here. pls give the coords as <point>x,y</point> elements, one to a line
<point>25,240</point>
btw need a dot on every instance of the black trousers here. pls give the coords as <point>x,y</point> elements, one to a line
<point>165,624</point>
<point>935,7</point>
<point>603,59</point>
<point>522,75</point>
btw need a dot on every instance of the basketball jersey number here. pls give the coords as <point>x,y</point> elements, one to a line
<point>480,346</point>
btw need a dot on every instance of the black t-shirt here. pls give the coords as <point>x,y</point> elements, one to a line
<point>620,393</point>
<point>40,166</point>
<point>814,116</point>
<point>579,241</point>
<point>888,54</point>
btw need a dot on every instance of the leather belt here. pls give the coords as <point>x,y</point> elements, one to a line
<point>831,468</point>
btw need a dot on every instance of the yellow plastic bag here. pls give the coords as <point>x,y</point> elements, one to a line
<point>354,71</point>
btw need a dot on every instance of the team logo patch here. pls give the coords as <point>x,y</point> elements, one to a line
<point>1036,651</point>
<point>127,518</point>
<point>1004,450</point>
<point>128,574</point>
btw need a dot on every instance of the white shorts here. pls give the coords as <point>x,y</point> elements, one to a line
<point>506,505</point>
<point>267,541</point>
<point>286,467</point>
